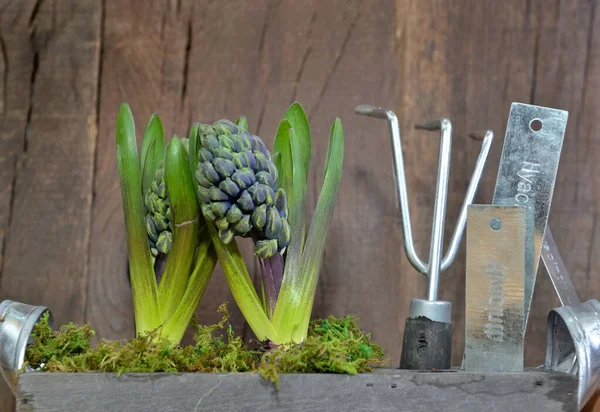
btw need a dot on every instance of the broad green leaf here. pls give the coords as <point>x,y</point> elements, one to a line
<point>288,295</point>
<point>143,281</point>
<point>154,130</point>
<point>149,169</point>
<point>204,265</point>
<point>242,122</point>
<point>241,287</point>
<point>194,148</point>
<point>296,115</point>
<point>283,157</point>
<point>185,211</point>
<point>297,310</point>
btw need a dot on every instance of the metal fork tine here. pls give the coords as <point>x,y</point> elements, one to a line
<point>459,228</point>
<point>439,207</point>
<point>400,178</point>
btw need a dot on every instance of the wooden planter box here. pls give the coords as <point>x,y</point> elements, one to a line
<point>384,390</point>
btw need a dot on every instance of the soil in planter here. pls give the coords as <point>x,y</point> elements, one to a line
<point>333,345</point>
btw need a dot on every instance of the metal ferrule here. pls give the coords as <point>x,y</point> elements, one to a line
<point>573,345</point>
<point>16,324</point>
<point>437,311</point>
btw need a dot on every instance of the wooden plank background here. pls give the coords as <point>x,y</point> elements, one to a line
<point>65,66</point>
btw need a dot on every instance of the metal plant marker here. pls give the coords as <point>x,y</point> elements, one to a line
<point>427,342</point>
<point>495,288</point>
<point>573,330</point>
<point>527,172</point>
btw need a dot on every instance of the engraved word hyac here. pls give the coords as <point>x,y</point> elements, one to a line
<point>494,328</point>
<point>526,176</point>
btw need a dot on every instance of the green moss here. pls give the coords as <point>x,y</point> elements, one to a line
<point>333,345</point>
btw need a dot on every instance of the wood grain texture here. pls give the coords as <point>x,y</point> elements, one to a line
<point>66,66</point>
<point>16,67</point>
<point>217,62</point>
<point>50,52</point>
<point>468,61</point>
<point>385,390</point>
<point>135,45</point>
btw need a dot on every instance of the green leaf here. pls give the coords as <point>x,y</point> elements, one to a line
<point>194,148</point>
<point>143,282</point>
<point>283,157</point>
<point>185,211</point>
<point>288,295</point>
<point>204,265</point>
<point>242,122</point>
<point>241,287</point>
<point>298,297</point>
<point>296,115</point>
<point>154,130</point>
<point>149,170</point>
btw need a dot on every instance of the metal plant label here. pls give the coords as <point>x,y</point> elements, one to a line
<point>495,288</point>
<point>527,172</point>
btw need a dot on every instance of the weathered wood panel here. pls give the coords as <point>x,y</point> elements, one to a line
<point>198,61</point>
<point>385,390</point>
<point>468,61</point>
<point>51,54</point>
<point>16,66</point>
<point>228,66</point>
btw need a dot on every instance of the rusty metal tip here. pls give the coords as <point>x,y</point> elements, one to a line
<point>430,125</point>
<point>371,111</point>
<point>479,135</point>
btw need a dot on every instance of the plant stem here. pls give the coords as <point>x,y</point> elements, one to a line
<point>204,264</point>
<point>272,275</point>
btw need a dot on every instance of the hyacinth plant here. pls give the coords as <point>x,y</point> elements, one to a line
<point>163,222</point>
<point>246,191</point>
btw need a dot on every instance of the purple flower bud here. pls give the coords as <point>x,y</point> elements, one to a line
<point>245,142</point>
<point>226,235</point>
<point>259,216</point>
<point>281,202</point>
<point>237,143</point>
<point>265,178</point>
<point>207,212</point>
<point>269,195</point>
<point>227,125</point>
<point>210,173</point>
<point>224,153</point>
<point>260,146</point>
<point>265,248</point>
<point>204,155</point>
<point>285,234</point>
<point>243,178</point>
<point>217,194</point>
<point>151,228</point>
<point>234,214</point>
<point>163,244</point>
<point>262,163</point>
<point>273,225</point>
<point>229,187</point>
<point>202,180</point>
<point>245,202</point>
<point>221,224</point>
<point>220,208</point>
<point>273,172</point>
<point>224,167</point>
<point>210,142</point>
<point>257,193</point>
<point>239,160</point>
<point>250,159</point>
<point>243,226</point>
<point>226,142</point>
<point>160,222</point>
<point>204,194</point>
